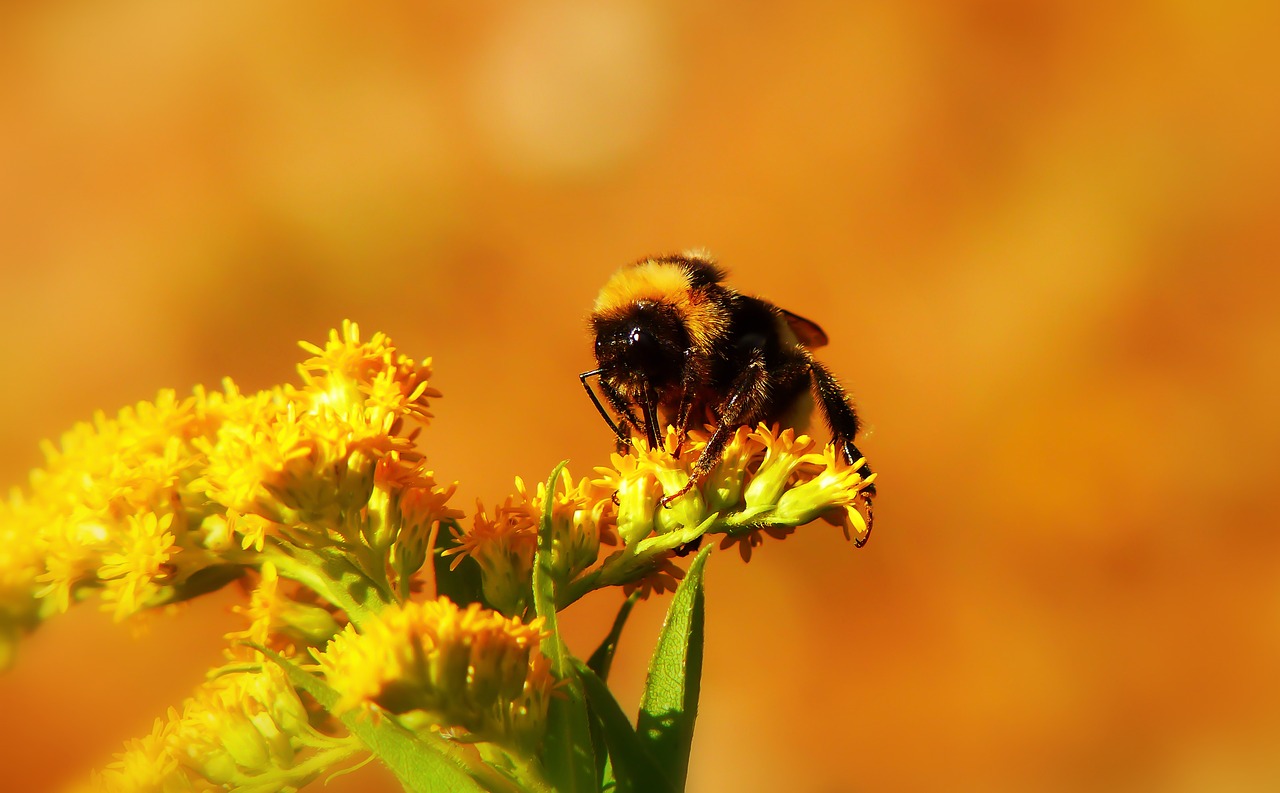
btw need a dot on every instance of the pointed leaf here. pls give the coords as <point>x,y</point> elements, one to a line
<point>600,750</point>
<point>566,751</point>
<point>669,705</point>
<point>602,658</point>
<point>632,765</point>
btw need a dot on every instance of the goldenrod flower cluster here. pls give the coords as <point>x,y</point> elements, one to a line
<point>766,482</point>
<point>503,545</point>
<point>470,670</point>
<point>174,497</point>
<point>318,494</point>
<point>246,731</point>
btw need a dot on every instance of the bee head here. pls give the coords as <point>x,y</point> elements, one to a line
<point>643,343</point>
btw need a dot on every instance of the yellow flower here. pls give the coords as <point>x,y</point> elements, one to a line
<point>577,515</point>
<point>766,482</point>
<point>138,505</point>
<point>350,376</point>
<point>635,484</point>
<point>240,731</point>
<point>723,488</point>
<point>405,513</point>
<point>279,620</point>
<point>146,766</point>
<point>783,454</point>
<point>289,465</point>
<point>21,564</point>
<point>503,547</point>
<point>307,457</point>
<point>465,669</point>
<point>88,505</point>
<point>640,481</point>
<point>132,574</point>
<point>791,487</point>
<point>835,489</point>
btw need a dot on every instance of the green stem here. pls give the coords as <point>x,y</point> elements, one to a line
<point>333,577</point>
<point>626,565</point>
<point>747,521</point>
<point>326,760</point>
<point>579,587</point>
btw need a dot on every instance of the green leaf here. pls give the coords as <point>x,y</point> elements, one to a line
<point>600,750</point>
<point>419,765</point>
<point>669,705</point>
<point>602,659</point>
<point>633,767</point>
<point>566,750</point>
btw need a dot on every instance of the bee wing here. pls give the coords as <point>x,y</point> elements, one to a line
<point>807,332</point>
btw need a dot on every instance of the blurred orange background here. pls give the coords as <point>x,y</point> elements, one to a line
<point>1042,238</point>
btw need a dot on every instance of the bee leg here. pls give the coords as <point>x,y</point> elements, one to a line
<point>650,409</point>
<point>867,502</point>
<point>604,414</point>
<point>688,383</point>
<point>626,418</point>
<point>730,414</point>
<point>843,421</point>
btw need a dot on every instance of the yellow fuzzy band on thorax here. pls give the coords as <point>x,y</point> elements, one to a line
<point>659,281</point>
<point>668,283</point>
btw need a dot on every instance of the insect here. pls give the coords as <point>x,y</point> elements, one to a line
<point>672,341</point>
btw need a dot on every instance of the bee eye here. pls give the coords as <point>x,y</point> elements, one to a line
<point>643,349</point>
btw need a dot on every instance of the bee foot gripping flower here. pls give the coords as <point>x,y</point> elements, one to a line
<point>669,331</point>
<point>767,482</point>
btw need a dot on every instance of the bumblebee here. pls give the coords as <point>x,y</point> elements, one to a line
<point>673,342</point>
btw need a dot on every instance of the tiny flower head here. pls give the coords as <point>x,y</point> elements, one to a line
<point>406,511</point>
<point>503,546</point>
<point>783,453</point>
<point>793,486</point>
<point>21,564</point>
<point>146,764</point>
<point>245,726</point>
<point>370,378</point>
<point>280,619</point>
<point>239,731</point>
<point>465,669</point>
<point>634,482</point>
<point>723,487</point>
<point>133,573</point>
<point>578,518</point>
<point>832,491</point>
